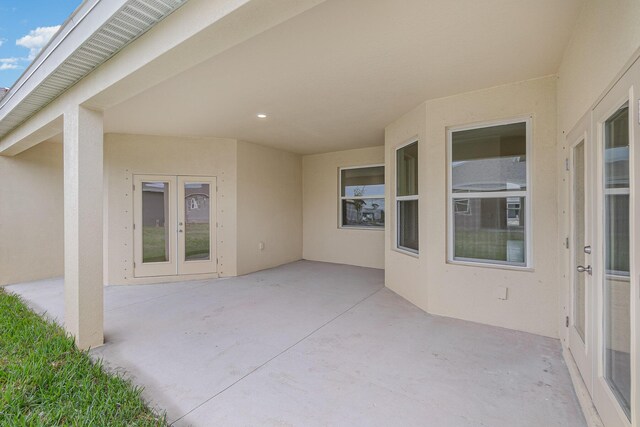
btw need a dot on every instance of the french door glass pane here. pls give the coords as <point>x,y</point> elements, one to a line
<point>617,290</point>
<point>155,212</point>
<point>408,225</point>
<point>491,229</point>
<point>578,238</point>
<point>197,215</point>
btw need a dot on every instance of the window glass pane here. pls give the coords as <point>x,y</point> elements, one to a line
<point>363,212</point>
<point>408,224</point>
<point>491,229</point>
<point>490,159</point>
<point>197,222</point>
<point>616,154</point>
<point>617,289</point>
<point>407,170</point>
<point>579,285</point>
<point>155,211</point>
<point>360,182</point>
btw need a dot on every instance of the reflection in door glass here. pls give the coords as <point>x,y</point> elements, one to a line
<point>155,211</point>
<point>617,291</point>
<point>197,222</point>
<point>579,243</point>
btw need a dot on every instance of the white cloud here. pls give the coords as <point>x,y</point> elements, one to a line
<point>37,39</point>
<point>9,63</point>
<point>2,41</point>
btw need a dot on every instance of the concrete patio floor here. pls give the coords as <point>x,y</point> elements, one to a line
<point>313,344</point>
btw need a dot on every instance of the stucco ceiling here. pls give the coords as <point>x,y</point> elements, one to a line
<point>333,77</point>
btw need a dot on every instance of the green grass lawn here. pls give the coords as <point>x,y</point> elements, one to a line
<point>46,381</point>
<point>485,244</point>
<point>197,243</point>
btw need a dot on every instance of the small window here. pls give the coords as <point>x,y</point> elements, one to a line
<point>362,197</point>
<point>407,235</point>
<point>489,194</point>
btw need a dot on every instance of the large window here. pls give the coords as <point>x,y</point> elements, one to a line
<point>407,197</point>
<point>362,197</point>
<point>489,194</point>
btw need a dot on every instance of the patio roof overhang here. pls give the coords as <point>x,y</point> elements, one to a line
<point>92,61</point>
<point>330,76</point>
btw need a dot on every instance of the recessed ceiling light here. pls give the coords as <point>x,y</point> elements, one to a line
<point>262,116</point>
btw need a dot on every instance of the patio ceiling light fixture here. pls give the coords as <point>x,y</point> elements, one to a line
<point>261,116</point>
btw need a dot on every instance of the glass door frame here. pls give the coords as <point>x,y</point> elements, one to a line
<point>605,401</point>
<point>163,268</point>
<point>196,266</point>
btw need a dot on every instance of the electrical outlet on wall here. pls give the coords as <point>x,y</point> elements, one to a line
<point>501,292</point>
<point>261,246</point>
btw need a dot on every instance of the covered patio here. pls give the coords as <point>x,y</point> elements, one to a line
<point>312,343</point>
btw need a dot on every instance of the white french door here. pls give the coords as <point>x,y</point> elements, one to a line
<point>615,130</point>
<point>174,225</point>
<point>581,338</point>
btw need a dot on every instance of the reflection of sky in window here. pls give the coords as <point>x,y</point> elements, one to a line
<point>616,154</point>
<point>154,184</point>
<point>366,190</point>
<point>196,186</point>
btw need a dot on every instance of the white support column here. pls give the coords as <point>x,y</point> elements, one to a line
<point>83,225</point>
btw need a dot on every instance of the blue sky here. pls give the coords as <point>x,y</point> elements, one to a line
<point>25,27</point>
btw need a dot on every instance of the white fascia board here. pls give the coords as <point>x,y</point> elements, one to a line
<point>84,22</point>
<point>97,31</point>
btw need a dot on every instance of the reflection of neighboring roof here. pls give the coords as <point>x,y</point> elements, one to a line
<point>616,154</point>
<point>503,173</point>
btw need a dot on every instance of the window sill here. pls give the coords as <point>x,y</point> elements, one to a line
<point>355,227</point>
<point>405,252</point>
<point>523,268</point>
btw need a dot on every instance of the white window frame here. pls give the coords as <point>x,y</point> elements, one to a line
<point>528,247</point>
<point>398,199</point>
<point>342,197</point>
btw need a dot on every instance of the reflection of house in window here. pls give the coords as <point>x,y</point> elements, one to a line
<point>155,204</point>
<point>363,212</point>
<point>513,211</point>
<point>197,203</point>
<point>193,203</point>
<point>362,196</point>
<point>462,206</point>
<point>488,193</point>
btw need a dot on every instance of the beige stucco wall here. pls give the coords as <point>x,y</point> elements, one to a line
<point>605,37</point>
<point>126,155</point>
<point>31,214</point>
<point>467,292</point>
<point>323,239</point>
<point>269,207</point>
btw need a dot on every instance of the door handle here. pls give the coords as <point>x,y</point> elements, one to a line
<point>586,269</point>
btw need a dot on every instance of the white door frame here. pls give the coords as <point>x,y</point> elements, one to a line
<point>176,264</point>
<point>582,351</point>
<point>625,90</point>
